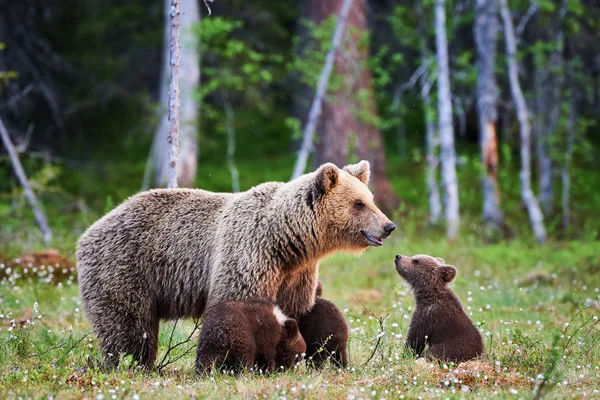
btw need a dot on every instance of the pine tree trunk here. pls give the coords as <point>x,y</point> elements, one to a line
<point>189,66</point>
<point>339,125</point>
<point>330,143</point>
<point>486,29</point>
<point>448,156</point>
<point>535,215</point>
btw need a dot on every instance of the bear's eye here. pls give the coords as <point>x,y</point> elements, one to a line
<point>415,262</point>
<point>359,205</point>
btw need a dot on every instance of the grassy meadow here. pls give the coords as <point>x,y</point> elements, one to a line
<point>537,308</point>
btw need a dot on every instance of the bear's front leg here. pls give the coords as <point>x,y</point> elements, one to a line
<point>296,295</point>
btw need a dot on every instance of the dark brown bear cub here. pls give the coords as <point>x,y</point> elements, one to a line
<point>246,334</point>
<point>325,331</point>
<point>439,319</point>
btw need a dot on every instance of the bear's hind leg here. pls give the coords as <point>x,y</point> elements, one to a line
<point>124,332</point>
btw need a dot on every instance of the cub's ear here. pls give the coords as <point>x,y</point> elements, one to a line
<point>361,170</point>
<point>319,290</point>
<point>448,273</point>
<point>440,260</point>
<point>290,327</point>
<point>326,177</point>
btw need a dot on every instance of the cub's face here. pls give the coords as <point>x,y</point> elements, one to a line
<point>346,209</point>
<point>423,271</point>
<point>292,346</point>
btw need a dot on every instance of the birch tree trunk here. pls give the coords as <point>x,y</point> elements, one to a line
<point>40,217</point>
<point>431,144</point>
<point>173,138</point>
<point>448,156</point>
<point>535,215</point>
<point>431,132</point>
<point>553,97</point>
<point>230,124</point>
<point>486,29</point>
<point>189,66</point>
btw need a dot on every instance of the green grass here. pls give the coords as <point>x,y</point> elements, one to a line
<point>520,295</point>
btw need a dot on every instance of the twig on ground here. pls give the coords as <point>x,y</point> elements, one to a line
<point>166,360</point>
<point>381,321</point>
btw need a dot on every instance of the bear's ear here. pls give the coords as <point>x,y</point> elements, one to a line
<point>440,260</point>
<point>290,327</point>
<point>326,177</point>
<point>361,170</point>
<point>448,273</point>
<point>319,290</point>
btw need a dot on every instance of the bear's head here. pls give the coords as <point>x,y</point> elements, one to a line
<point>345,209</point>
<point>424,272</point>
<point>292,346</point>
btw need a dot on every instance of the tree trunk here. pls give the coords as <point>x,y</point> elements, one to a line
<point>431,133</point>
<point>486,29</point>
<point>173,138</point>
<point>189,66</point>
<point>448,156</point>
<point>431,144</point>
<point>565,171</point>
<point>40,217</point>
<point>339,125</point>
<point>535,215</point>
<point>317,104</point>
<point>553,97</point>
<point>230,124</point>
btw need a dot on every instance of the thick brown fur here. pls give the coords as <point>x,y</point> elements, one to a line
<point>171,253</point>
<point>439,319</point>
<point>326,332</point>
<point>247,334</point>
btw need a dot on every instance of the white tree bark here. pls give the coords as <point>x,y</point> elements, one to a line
<point>431,144</point>
<point>189,67</point>
<point>40,217</point>
<point>317,104</point>
<point>535,215</point>
<point>448,156</point>
<point>565,171</point>
<point>432,139</point>
<point>173,138</point>
<point>552,100</point>
<point>486,29</point>
<point>230,124</point>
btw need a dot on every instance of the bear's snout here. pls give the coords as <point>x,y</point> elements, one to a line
<point>389,228</point>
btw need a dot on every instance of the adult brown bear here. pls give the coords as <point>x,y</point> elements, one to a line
<point>171,253</point>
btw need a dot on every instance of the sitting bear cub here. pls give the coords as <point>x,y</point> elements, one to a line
<point>325,331</point>
<point>439,319</point>
<point>246,334</point>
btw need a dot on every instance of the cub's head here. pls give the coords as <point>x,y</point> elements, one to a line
<point>424,272</point>
<point>345,209</point>
<point>292,346</point>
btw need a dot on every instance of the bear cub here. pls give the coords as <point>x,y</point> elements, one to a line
<point>439,319</point>
<point>325,331</point>
<point>246,334</point>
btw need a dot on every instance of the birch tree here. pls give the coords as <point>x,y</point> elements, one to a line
<point>533,209</point>
<point>431,131</point>
<point>189,77</point>
<point>40,217</point>
<point>448,156</point>
<point>486,29</point>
